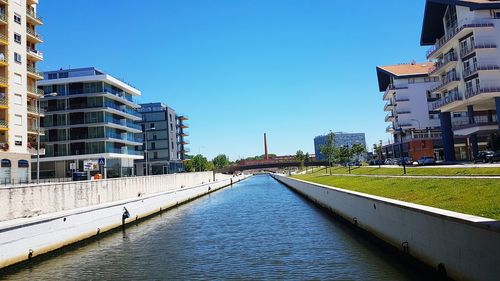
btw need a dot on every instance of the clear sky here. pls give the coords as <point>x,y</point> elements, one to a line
<point>239,68</point>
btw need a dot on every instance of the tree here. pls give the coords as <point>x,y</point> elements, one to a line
<point>188,166</point>
<point>357,150</point>
<point>200,163</point>
<point>221,161</point>
<point>378,150</point>
<point>329,149</point>
<point>300,157</point>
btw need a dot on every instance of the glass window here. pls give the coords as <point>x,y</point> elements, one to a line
<point>17,38</point>
<point>17,58</point>
<point>17,18</point>
<point>52,75</point>
<point>63,75</point>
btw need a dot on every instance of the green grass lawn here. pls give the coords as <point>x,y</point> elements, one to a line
<point>413,171</point>
<point>480,197</point>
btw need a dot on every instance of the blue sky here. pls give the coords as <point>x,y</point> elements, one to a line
<point>294,69</point>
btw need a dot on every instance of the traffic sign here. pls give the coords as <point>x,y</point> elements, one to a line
<point>101,161</point>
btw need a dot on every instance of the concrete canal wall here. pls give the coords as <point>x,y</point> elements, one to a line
<point>89,208</point>
<point>465,246</point>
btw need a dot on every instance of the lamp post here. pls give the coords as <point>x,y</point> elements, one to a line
<point>146,147</point>
<point>38,137</point>
<point>403,161</point>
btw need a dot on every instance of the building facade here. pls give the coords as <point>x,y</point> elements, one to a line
<point>161,133</point>
<point>465,36</point>
<point>91,117</point>
<point>341,139</point>
<point>19,56</point>
<point>414,127</point>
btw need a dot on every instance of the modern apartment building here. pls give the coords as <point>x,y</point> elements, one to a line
<point>465,39</point>
<point>161,133</point>
<point>341,139</point>
<point>19,56</point>
<point>415,128</point>
<point>92,117</point>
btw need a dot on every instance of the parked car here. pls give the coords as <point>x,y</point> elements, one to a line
<point>375,162</point>
<point>426,160</point>
<point>487,157</point>
<point>407,161</point>
<point>390,161</point>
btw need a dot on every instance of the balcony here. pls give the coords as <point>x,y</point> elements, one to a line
<point>34,54</point>
<point>398,100</point>
<point>5,2</point>
<point>34,91</point>
<point>32,109</point>
<point>4,102</point>
<point>447,83</point>
<point>471,71</point>
<point>477,46</point>
<point>450,98</point>
<point>491,90</point>
<point>33,73</point>
<point>33,35</point>
<point>183,142</point>
<point>4,82</point>
<point>389,106</point>
<point>3,124</point>
<point>183,125</point>
<point>481,124</point>
<point>4,40</point>
<point>390,91</point>
<point>389,117</point>
<point>183,134</point>
<point>3,18</point>
<point>390,129</point>
<point>33,129</point>
<point>402,112</point>
<point>4,59</point>
<point>459,29</point>
<point>183,117</point>
<point>449,60</point>
<point>32,17</point>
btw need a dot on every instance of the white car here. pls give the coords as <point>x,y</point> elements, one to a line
<point>426,161</point>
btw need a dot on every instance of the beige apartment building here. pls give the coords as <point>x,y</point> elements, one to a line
<point>19,95</point>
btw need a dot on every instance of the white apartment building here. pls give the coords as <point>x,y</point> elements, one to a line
<point>465,39</point>
<point>92,117</point>
<point>19,56</point>
<point>414,126</point>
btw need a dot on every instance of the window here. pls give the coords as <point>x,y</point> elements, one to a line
<point>153,146</point>
<point>18,78</point>
<point>17,18</point>
<point>172,145</point>
<point>171,127</point>
<point>155,155</point>
<point>17,58</point>
<point>17,38</point>
<point>18,99</point>
<point>52,76</point>
<point>152,125</point>
<point>18,120</point>
<point>154,137</point>
<point>63,75</point>
<point>18,140</point>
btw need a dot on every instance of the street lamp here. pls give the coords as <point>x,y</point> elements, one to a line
<point>146,147</point>
<point>38,137</point>
<point>403,161</point>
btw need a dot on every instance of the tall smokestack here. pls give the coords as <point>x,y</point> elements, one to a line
<point>266,157</point>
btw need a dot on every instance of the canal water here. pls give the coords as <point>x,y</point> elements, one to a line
<point>257,229</point>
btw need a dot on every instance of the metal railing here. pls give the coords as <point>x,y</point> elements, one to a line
<point>477,121</point>
<point>4,37</point>
<point>36,91</point>
<point>4,80</point>
<point>31,13</point>
<point>471,48</point>
<point>446,81</point>
<point>3,124</point>
<point>3,17</point>
<point>447,58</point>
<point>34,52</point>
<point>471,71</point>
<point>34,109</point>
<point>4,101</point>
<point>33,33</point>
<point>452,32</point>
<point>452,97</point>
<point>33,70</point>
<point>481,90</point>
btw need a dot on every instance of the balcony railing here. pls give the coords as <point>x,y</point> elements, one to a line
<point>403,111</point>
<point>389,128</point>
<point>469,93</point>
<point>402,99</point>
<point>31,13</point>
<point>33,70</point>
<point>34,52</point>
<point>4,101</point>
<point>471,48</point>
<point>391,87</point>
<point>452,97</point>
<point>471,71</point>
<point>452,32</point>
<point>3,17</point>
<point>4,58</point>
<point>33,33</point>
<point>447,58</point>
<point>3,124</point>
<point>35,90</point>
<point>4,81</point>
<point>478,121</point>
<point>34,109</point>
<point>445,82</point>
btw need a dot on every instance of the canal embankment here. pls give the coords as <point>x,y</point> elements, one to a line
<point>38,219</point>
<point>464,247</point>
